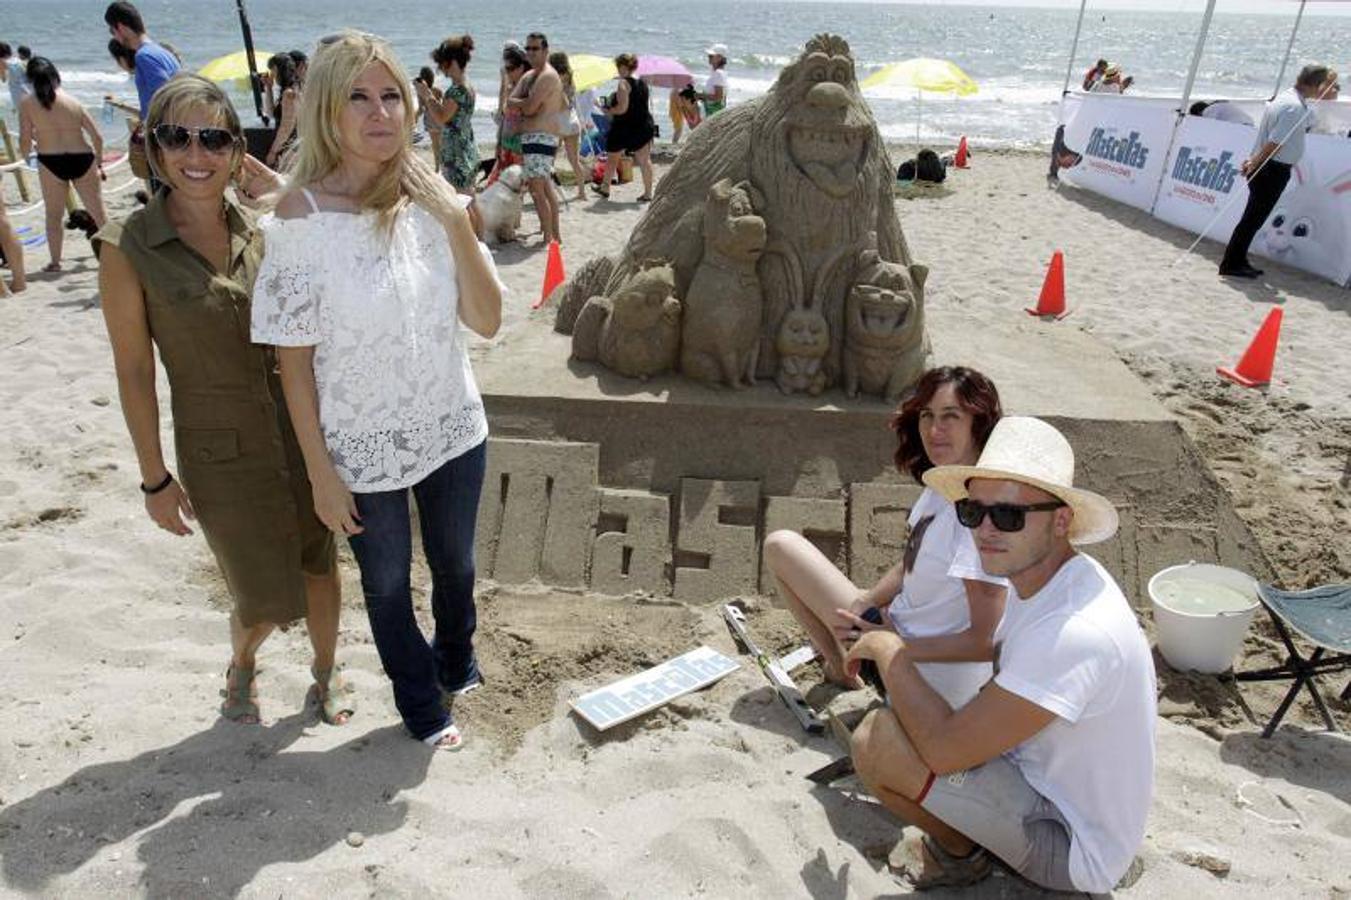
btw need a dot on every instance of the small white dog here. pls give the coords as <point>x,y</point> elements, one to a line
<point>500,206</point>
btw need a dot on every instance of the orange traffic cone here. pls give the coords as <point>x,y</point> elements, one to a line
<point>962,154</point>
<point>1254,369</point>
<point>1052,300</point>
<point>553,274</point>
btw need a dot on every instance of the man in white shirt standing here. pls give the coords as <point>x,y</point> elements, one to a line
<point>1279,145</point>
<point>1051,767</point>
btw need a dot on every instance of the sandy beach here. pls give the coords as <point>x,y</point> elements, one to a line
<point>118,778</point>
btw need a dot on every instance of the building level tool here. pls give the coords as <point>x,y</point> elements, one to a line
<point>783,684</point>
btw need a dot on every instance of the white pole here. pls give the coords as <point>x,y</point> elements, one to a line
<point>1280,79</point>
<point>1196,57</point>
<point>919,115</point>
<point>1074,48</point>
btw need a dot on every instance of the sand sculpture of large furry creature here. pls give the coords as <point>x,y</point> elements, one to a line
<point>811,150</point>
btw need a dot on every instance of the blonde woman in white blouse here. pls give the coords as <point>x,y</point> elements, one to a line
<point>370,267</point>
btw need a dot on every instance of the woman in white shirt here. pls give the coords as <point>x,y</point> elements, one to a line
<point>937,596</point>
<point>370,267</point>
<point>714,94</point>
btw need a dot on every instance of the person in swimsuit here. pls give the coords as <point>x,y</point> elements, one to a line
<point>631,127</point>
<point>569,124</point>
<point>281,72</point>
<point>428,92</point>
<point>13,248</point>
<point>539,99</point>
<point>69,149</point>
<point>508,152</point>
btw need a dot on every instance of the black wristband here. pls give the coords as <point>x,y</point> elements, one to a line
<point>168,480</point>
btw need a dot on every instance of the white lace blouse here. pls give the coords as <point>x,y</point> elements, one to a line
<point>397,397</point>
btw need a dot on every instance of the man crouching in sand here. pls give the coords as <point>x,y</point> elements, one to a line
<point>1051,767</point>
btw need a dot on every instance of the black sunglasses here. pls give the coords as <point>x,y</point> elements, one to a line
<point>1004,516</point>
<point>176,137</point>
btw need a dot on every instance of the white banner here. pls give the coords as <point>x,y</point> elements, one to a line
<point>1310,228</point>
<point>1114,146</point>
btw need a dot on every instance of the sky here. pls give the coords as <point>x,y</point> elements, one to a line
<point>1286,8</point>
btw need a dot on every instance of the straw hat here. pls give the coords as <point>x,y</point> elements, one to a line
<point>1111,70</point>
<point>1028,450</point>
<point>717,50</point>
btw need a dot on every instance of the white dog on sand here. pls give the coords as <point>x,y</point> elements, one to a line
<point>500,206</point>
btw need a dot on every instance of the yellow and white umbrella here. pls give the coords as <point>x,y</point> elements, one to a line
<point>922,74</point>
<point>589,70</point>
<point>234,66</point>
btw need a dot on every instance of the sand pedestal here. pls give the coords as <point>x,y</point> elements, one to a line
<point>669,487</point>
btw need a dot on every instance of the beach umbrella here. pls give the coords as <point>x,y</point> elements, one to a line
<point>664,72</point>
<point>234,66</point>
<point>589,70</point>
<point>923,74</point>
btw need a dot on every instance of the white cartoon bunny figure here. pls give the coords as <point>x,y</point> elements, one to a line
<point>1308,228</point>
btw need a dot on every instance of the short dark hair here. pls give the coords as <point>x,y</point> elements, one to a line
<point>124,13</point>
<point>5,49</point>
<point>513,57</point>
<point>1313,76</point>
<point>627,60</point>
<point>978,396</point>
<point>298,57</point>
<point>25,53</point>
<point>1198,108</point>
<point>538,36</point>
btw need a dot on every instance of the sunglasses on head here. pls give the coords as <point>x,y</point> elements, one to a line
<point>1004,516</point>
<point>177,137</point>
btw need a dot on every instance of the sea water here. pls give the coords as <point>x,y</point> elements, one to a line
<point>1201,597</point>
<point>1016,54</point>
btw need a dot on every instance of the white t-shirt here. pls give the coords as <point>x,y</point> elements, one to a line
<point>716,79</point>
<point>1074,648</point>
<point>932,601</point>
<point>397,397</point>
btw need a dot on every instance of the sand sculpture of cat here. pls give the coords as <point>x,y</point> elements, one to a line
<point>885,346</point>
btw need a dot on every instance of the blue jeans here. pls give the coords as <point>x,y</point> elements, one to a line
<point>447,502</point>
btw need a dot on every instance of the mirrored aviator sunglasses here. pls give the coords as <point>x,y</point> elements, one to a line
<point>1004,516</point>
<point>177,137</point>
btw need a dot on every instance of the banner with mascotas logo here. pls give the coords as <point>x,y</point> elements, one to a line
<point>1310,228</point>
<point>1114,146</point>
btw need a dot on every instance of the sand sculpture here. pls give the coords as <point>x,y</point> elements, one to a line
<point>779,228</point>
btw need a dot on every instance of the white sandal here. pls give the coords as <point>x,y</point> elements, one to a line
<point>451,732</point>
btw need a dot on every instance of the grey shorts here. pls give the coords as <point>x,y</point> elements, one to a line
<point>994,806</point>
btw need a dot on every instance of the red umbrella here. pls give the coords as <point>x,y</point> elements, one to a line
<point>663,71</point>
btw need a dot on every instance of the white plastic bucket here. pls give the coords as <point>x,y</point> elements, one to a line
<point>1201,614</point>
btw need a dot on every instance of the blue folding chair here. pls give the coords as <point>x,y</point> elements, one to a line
<point>1322,616</point>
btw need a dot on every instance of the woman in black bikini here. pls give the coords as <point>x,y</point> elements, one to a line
<point>69,150</point>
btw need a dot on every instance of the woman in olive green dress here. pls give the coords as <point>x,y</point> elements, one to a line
<point>178,274</point>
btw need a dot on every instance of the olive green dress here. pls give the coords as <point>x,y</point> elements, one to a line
<point>238,458</point>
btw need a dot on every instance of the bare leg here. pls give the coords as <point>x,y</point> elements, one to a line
<point>571,147</point>
<point>244,643</point>
<point>9,242</point>
<point>813,589</point>
<point>543,195</point>
<point>323,599</point>
<point>611,161</point>
<point>644,157</point>
<point>90,190</point>
<point>895,773</point>
<point>54,205</point>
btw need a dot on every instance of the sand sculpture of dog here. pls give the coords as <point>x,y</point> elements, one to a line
<point>637,331</point>
<point>720,340</point>
<point>885,345</point>
<point>500,206</point>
